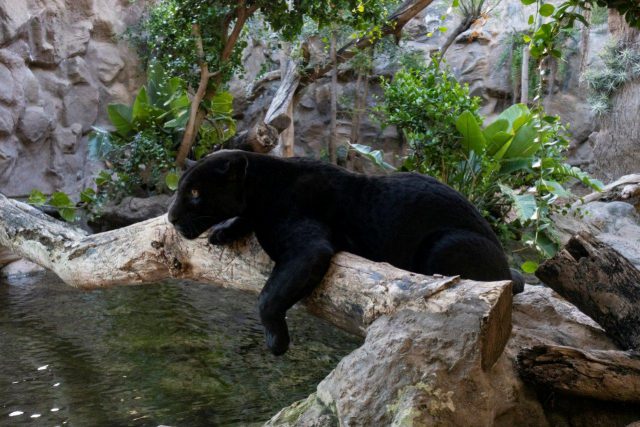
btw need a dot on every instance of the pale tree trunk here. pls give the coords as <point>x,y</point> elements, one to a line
<point>617,144</point>
<point>332,147</point>
<point>524,84</point>
<point>354,293</point>
<point>205,89</point>
<point>584,42</point>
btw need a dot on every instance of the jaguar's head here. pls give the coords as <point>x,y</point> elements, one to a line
<point>210,191</point>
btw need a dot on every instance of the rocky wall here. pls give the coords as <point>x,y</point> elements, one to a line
<point>61,63</point>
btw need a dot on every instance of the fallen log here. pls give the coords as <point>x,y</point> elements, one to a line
<point>599,374</point>
<point>355,291</point>
<point>601,283</point>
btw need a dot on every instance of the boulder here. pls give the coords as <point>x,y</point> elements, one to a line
<point>81,106</point>
<point>616,223</point>
<point>35,125</point>
<point>398,378</point>
<point>105,58</point>
<point>131,210</point>
<point>14,14</point>
<point>67,139</point>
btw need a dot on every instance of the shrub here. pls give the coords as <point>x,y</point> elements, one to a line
<point>513,169</point>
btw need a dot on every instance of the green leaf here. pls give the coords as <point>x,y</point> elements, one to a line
<point>171,180</point>
<point>472,136</point>
<point>375,156</point>
<point>222,103</point>
<point>528,2</point>
<point>529,267</point>
<point>120,116</point>
<point>525,142</point>
<point>531,21</point>
<point>61,200</point>
<point>103,178</point>
<point>99,144</point>
<point>87,195</point>
<point>68,214</point>
<point>37,198</point>
<point>524,204</point>
<point>546,245</point>
<point>508,166</point>
<point>547,9</point>
<point>442,29</point>
<point>141,107</point>
<point>496,136</point>
<point>556,188</point>
<point>456,3</point>
<point>517,115</point>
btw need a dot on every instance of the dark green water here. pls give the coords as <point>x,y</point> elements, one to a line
<point>179,354</point>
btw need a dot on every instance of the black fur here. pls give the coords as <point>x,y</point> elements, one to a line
<point>304,211</point>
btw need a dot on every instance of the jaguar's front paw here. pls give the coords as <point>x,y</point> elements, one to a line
<point>218,236</point>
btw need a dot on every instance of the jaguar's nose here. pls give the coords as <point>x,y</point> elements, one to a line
<point>172,217</point>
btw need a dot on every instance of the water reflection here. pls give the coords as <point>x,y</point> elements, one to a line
<point>173,353</point>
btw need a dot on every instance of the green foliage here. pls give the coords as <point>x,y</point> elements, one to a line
<point>620,64</point>
<point>166,35</point>
<point>424,102</point>
<point>527,148</point>
<point>58,200</point>
<point>375,156</point>
<point>544,39</point>
<point>511,169</point>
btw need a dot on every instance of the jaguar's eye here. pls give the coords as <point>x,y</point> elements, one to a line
<point>195,193</point>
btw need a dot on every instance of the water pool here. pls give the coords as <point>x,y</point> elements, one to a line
<point>172,353</point>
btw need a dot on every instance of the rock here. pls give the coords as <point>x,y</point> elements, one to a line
<point>8,157</point>
<point>6,256</point>
<point>106,59</point>
<point>615,223</point>
<point>7,123</point>
<point>77,38</point>
<point>45,51</point>
<point>18,268</point>
<point>7,86</point>
<point>35,125</point>
<point>14,14</point>
<point>81,106</point>
<point>131,210</point>
<point>408,392</point>
<point>67,139</point>
<point>77,71</point>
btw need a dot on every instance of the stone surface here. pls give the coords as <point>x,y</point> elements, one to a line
<point>615,223</point>
<point>131,210</point>
<point>418,381</point>
<point>34,125</point>
<point>21,267</point>
<point>61,63</point>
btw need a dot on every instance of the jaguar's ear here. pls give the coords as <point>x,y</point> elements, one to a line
<point>235,169</point>
<point>188,164</point>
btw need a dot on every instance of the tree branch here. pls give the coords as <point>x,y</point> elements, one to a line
<point>354,293</point>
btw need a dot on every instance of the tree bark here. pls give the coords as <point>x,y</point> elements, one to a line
<point>394,25</point>
<point>333,136</point>
<point>278,114</point>
<point>205,91</point>
<point>604,375</point>
<point>616,149</point>
<point>524,85</point>
<point>601,283</point>
<point>353,294</point>
<point>461,28</point>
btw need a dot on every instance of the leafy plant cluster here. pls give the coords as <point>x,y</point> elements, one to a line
<point>620,64</point>
<point>166,35</point>
<point>139,153</point>
<point>424,101</point>
<point>544,40</point>
<point>512,169</point>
